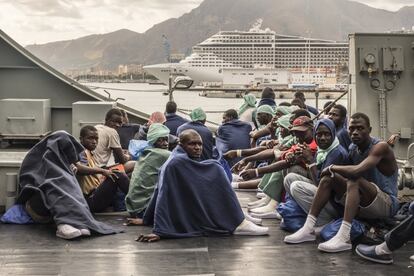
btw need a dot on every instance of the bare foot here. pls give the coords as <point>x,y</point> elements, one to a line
<point>148,238</point>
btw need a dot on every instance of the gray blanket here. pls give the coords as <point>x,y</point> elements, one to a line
<point>46,170</point>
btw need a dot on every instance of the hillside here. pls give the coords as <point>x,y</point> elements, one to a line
<point>329,19</point>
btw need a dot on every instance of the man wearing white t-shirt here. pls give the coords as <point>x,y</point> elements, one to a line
<point>109,142</point>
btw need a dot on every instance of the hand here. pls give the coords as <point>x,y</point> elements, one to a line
<point>271,144</point>
<point>304,153</point>
<point>111,174</point>
<point>252,133</point>
<point>239,166</point>
<point>248,174</point>
<point>134,222</point>
<point>327,172</point>
<point>231,154</point>
<point>148,238</point>
<point>73,168</point>
<point>290,158</point>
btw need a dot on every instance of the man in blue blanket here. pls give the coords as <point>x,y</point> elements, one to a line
<point>198,121</point>
<point>233,134</point>
<point>194,198</point>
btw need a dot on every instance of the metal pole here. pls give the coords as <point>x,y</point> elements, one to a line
<point>170,89</point>
<point>11,189</point>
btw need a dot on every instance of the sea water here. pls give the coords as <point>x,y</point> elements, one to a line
<point>149,98</point>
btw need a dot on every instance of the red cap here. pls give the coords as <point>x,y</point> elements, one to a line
<point>302,123</point>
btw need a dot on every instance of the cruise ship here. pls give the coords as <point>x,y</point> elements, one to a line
<point>250,50</point>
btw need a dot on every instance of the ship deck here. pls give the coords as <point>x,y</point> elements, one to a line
<point>35,250</point>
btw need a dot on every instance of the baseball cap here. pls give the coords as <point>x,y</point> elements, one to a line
<point>302,123</point>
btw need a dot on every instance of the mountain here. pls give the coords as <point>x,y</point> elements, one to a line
<point>328,19</point>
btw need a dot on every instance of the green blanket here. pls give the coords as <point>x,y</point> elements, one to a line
<point>144,179</point>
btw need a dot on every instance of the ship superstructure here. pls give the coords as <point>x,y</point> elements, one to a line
<point>253,49</point>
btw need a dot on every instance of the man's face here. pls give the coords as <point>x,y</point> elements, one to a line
<point>90,140</point>
<point>304,136</point>
<point>323,137</point>
<point>193,145</point>
<point>161,143</point>
<point>226,118</point>
<point>115,121</point>
<point>335,116</point>
<point>359,131</point>
<point>264,118</point>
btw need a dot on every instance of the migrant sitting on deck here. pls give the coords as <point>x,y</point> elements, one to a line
<point>49,189</point>
<point>194,198</point>
<point>198,121</point>
<point>368,188</point>
<point>109,142</point>
<point>152,156</point>
<point>99,185</point>
<point>303,189</point>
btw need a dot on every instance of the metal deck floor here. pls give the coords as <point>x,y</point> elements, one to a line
<point>34,250</point>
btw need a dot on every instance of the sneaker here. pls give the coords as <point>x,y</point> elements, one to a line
<point>85,232</point>
<point>256,221</point>
<point>248,228</point>
<point>335,245</point>
<point>258,203</point>
<point>368,252</point>
<point>67,232</point>
<point>260,195</point>
<point>267,215</point>
<point>235,185</point>
<point>300,236</point>
<point>236,177</point>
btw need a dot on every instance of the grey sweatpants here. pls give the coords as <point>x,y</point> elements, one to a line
<point>303,191</point>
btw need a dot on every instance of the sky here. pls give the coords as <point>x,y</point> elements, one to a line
<point>42,21</point>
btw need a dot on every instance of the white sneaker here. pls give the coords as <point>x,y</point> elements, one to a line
<point>260,195</point>
<point>334,245</point>
<point>67,232</point>
<point>258,203</point>
<point>256,221</point>
<point>300,236</point>
<point>236,177</point>
<point>235,185</point>
<point>85,232</point>
<point>248,228</point>
<point>269,207</point>
<point>267,215</point>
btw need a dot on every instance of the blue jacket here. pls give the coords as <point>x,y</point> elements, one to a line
<point>173,122</point>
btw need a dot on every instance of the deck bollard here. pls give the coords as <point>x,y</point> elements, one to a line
<point>11,189</point>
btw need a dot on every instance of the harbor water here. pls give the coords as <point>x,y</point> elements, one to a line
<point>149,98</point>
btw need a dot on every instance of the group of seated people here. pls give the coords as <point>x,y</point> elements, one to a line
<point>173,174</point>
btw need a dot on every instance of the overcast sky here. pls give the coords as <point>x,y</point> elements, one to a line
<point>41,21</point>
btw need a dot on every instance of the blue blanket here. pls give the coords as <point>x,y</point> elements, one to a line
<point>193,198</point>
<point>174,122</point>
<point>46,170</point>
<point>231,136</point>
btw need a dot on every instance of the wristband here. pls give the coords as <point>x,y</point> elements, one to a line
<point>331,172</point>
<point>257,172</point>
<point>239,153</point>
<point>310,166</point>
